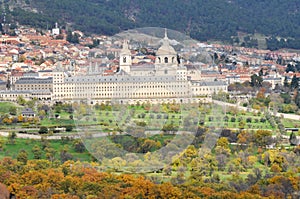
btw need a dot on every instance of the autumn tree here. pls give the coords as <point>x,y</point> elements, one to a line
<point>12,137</point>
<point>78,146</point>
<point>37,152</point>
<point>4,193</point>
<point>263,138</point>
<point>22,156</point>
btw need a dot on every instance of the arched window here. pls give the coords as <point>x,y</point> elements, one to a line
<point>124,59</point>
<point>173,59</point>
<point>159,60</point>
<point>166,60</point>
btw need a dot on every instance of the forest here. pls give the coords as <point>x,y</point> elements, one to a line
<point>202,20</point>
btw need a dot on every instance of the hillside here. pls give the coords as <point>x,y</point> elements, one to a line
<point>201,19</point>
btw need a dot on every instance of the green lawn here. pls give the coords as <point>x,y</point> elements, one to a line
<point>288,123</point>
<point>12,150</point>
<point>5,106</point>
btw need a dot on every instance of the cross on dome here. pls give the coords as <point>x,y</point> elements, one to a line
<point>166,48</point>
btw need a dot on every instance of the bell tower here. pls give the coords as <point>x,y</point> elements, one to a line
<point>125,58</point>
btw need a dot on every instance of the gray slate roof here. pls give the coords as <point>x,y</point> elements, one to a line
<point>33,80</point>
<point>209,83</point>
<point>117,79</point>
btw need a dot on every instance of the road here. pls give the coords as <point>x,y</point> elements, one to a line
<point>38,137</point>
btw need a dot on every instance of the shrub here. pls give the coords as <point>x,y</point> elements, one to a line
<point>69,128</point>
<point>249,120</point>
<point>233,119</point>
<point>43,130</point>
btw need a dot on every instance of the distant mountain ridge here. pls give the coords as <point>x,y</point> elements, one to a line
<point>201,19</point>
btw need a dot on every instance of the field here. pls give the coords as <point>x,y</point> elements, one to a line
<point>152,118</point>
<point>12,150</point>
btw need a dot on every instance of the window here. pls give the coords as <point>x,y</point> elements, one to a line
<point>166,60</point>
<point>124,59</point>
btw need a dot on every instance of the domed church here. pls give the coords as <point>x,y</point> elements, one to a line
<point>166,62</point>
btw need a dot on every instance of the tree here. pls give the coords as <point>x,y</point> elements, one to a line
<point>232,119</point>
<point>22,156</point>
<point>50,153</point>
<point>72,37</point>
<point>69,128</point>
<point>149,145</point>
<point>256,81</point>
<point>261,72</point>
<point>249,120</point>
<point>297,99</point>
<point>242,124</point>
<point>111,56</point>
<point>44,108</point>
<point>286,98</point>
<point>31,103</point>
<point>263,138</point>
<point>78,146</point>
<point>285,82</point>
<point>13,110</point>
<point>4,193</point>
<point>223,142</point>
<point>294,83</point>
<point>69,36</point>
<point>65,156</point>
<point>290,68</point>
<point>21,101</point>
<point>37,152</point>
<point>12,137</point>
<point>168,170</point>
<point>293,139</point>
<point>43,130</point>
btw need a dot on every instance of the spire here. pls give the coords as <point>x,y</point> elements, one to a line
<point>125,48</point>
<point>125,45</point>
<point>166,39</point>
<point>166,34</point>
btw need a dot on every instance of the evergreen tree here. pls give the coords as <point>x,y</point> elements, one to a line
<point>297,99</point>
<point>261,72</point>
<point>256,81</point>
<point>72,38</point>
<point>294,83</point>
<point>285,82</point>
<point>290,68</point>
<point>293,139</point>
<point>69,36</point>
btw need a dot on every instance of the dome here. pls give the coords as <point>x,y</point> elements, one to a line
<point>166,48</point>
